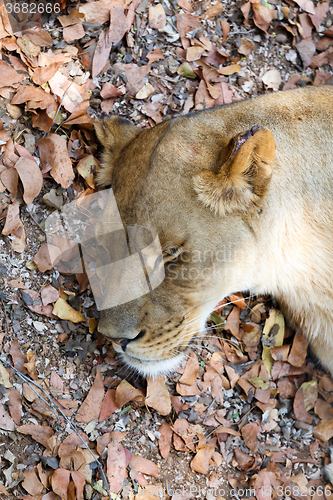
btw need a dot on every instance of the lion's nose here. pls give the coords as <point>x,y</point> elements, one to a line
<point>123,342</point>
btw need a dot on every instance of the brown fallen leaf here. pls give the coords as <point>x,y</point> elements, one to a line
<point>164,442</point>
<point>298,350</point>
<point>306,5</point>
<point>323,431</point>
<point>31,178</point>
<point>35,97</point>
<point>144,465</point>
<point>18,357</point>
<point>272,79</point>
<point>40,433</point>
<point>213,11</point>
<point>13,221</point>
<point>53,151</point>
<point>75,32</point>
<point>157,17</point>
<point>323,409</point>
<point>108,405</point>
<point>79,481</point>
<point>49,295</point>
<point>64,311</point>
<point>8,76</point>
<point>125,392</point>
<point>186,23</point>
<point>47,257</point>
<point>3,490</point>
<point>191,370</point>
<point>60,482</point>
<point>306,49</point>
<point>116,466</point>
<point>300,409</point>
<point>6,421</point>
<point>91,406</point>
<point>262,16</point>
<point>32,483</point>
<point>158,396</point>
<point>250,435</point>
<point>245,47</point>
<point>201,461</point>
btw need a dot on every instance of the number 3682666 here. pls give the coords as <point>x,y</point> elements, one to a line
<point>32,8</point>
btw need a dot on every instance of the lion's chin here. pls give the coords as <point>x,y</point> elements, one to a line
<point>152,368</point>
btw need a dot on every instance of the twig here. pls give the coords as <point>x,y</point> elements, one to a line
<point>33,219</point>
<point>208,410</point>
<point>57,410</point>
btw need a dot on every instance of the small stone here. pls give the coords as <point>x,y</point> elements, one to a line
<point>52,200</point>
<point>14,111</point>
<point>281,38</point>
<point>30,143</point>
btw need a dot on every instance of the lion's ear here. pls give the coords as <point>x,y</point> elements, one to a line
<point>114,135</point>
<point>243,178</point>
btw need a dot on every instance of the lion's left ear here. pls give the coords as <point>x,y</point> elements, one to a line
<point>242,180</point>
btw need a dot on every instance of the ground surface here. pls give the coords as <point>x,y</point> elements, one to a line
<point>214,433</point>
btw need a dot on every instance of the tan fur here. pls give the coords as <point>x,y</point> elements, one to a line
<point>245,192</point>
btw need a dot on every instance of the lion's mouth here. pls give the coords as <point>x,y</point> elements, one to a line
<point>152,368</point>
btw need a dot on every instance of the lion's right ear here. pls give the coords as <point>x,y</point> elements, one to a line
<point>242,180</point>
<point>114,135</point>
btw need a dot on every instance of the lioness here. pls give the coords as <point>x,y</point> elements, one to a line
<point>241,197</point>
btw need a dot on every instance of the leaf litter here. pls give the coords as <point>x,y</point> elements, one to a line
<point>247,409</point>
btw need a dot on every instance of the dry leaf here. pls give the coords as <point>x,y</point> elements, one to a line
<point>272,79</point>
<point>157,17</point>
<point>47,257</point>
<point>125,392</point>
<point>186,23</point>
<point>60,482</point>
<point>245,47</point>
<point>191,370</point>
<point>31,178</point>
<point>164,442</point>
<point>298,350</point>
<point>158,396</point>
<point>53,152</point>
<point>6,421</point>
<point>323,431</point>
<point>144,465</point>
<point>40,433</point>
<point>262,16</point>
<point>116,466</point>
<point>108,405</point>
<point>213,11</point>
<point>250,435</point>
<point>91,406</point>
<point>200,462</point>
<point>64,311</point>
<point>145,91</point>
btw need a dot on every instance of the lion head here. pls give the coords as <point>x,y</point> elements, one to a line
<point>199,181</point>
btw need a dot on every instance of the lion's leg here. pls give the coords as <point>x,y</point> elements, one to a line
<point>322,347</point>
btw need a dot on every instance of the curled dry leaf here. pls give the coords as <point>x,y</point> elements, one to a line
<point>245,47</point>
<point>191,370</point>
<point>125,392</point>
<point>158,396</point>
<point>4,377</point>
<point>64,311</point>
<point>201,461</point>
<point>53,151</point>
<point>108,405</point>
<point>262,16</point>
<point>31,178</point>
<point>91,406</point>
<point>272,79</point>
<point>323,431</point>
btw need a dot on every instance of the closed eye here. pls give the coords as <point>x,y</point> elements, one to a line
<point>171,253</point>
